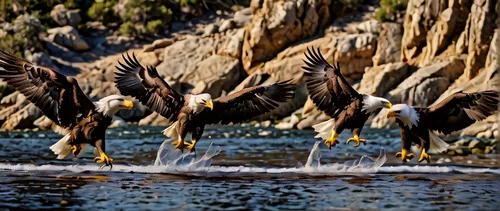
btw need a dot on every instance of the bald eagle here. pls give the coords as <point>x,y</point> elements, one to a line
<point>454,113</point>
<point>62,101</point>
<point>331,93</point>
<point>190,113</point>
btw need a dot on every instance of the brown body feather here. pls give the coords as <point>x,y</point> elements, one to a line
<point>456,112</point>
<point>332,94</point>
<point>58,97</point>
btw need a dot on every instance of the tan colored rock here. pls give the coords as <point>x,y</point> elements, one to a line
<point>154,119</point>
<point>62,16</point>
<point>388,44</point>
<point>424,86</point>
<point>438,37</point>
<point>157,44</point>
<point>482,27</point>
<point>276,24</point>
<point>205,64</point>
<point>420,15</point>
<point>378,81</point>
<point>69,37</point>
<point>22,118</point>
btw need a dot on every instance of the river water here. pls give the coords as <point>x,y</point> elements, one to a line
<point>242,168</point>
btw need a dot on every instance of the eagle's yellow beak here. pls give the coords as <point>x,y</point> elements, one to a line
<point>127,104</point>
<point>210,104</point>
<point>388,105</point>
<point>391,113</point>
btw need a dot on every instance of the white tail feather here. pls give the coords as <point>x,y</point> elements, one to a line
<point>171,131</point>
<point>324,129</point>
<point>437,145</point>
<point>62,148</point>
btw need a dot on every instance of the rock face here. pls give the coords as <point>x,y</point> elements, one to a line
<point>381,79</point>
<point>69,37</point>
<point>204,64</point>
<point>276,24</point>
<point>424,86</point>
<point>388,44</point>
<point>64,17</point>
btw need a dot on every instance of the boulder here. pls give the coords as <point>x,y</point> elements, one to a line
<point>425,85</point>
<point>370,26</point>
<point>379,80</point>
<point>277,24</point>
<point>211,29</point>
<point>388,44</point>
<point>157,44</point>
<point>226,25</point>
<point>63,16</point>
<point>69,37</point>
<point>204,64</point>
<point>243,17</point>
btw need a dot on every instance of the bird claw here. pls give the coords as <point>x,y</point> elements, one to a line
<point>191,146</point>
<point>424,156</point>
<point>105,160</point>
<point>405,157</point>
<point>331,142</point>
<point>75,149</point>
<point>179,144</point>
<point>357,140</point>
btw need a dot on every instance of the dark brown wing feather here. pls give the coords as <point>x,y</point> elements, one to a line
<point>57,96</point>
<point>327,88</point>
<point>460,110</point>
<point>248,103</point>
<point>146,85</point>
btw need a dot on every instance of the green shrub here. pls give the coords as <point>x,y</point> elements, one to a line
<point>128,29</point>
<point>102,11</point>
<point>154,26</point>
<point>389,9</point>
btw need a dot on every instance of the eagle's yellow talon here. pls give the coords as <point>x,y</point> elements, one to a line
<point>191,146</point>
<point>104,159</point>
<point>424,156</point>
<point>357,140</point>
<point>332,140</point>
<point>75,149</point>
<point>404,155</point>
<point>179,144</point>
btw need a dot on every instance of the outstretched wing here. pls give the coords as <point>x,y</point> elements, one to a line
<point>327,87</point>
<point>146,85</point>
<point>460,110</point>
<point>57,96</point>
<point>248,103</point>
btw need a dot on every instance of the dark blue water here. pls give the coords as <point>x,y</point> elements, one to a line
<point>256,168</point>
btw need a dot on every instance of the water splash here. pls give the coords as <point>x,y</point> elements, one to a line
<point>169,160</point>
<point>173,159</point>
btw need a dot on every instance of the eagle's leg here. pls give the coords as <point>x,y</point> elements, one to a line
<point>355,133</point>
<point>196,136</point>
<point>191,146</point>
<point>102,158</point>
<point>424,156</point>
<point>332,140</point>
<point>75,149</point>
<point>179,144</point>
<point>405,156</point>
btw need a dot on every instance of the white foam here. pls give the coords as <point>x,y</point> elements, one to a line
<point>172,161</point>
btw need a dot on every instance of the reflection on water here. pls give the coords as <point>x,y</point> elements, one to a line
<point>236,168</point>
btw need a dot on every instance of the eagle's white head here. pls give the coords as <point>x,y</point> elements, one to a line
<point>111,104</point>
<point>198,102</point>
<point>372,103</point>
<point>407,114</point>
